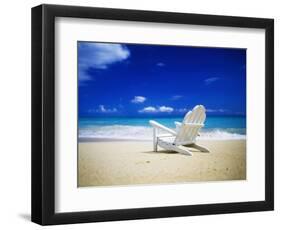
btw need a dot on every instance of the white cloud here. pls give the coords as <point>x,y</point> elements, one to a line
<point>160,109</point>
<point>99,56</point>
<point>211,80</point>
<point>149,109</point>
<point>183,110</point>
<point>217,110</point>
<point>138,99</point>
<point>160,64</point>
<point>165,109</point>
<point>102,109</point>
<point>176,97</point>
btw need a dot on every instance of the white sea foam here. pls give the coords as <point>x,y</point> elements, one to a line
<point>127,132</point>
<point>220,135</point>
<point>117,132</point>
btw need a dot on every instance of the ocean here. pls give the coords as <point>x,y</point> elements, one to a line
<point>138,128</point>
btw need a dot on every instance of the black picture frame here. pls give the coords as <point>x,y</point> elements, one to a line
<point>43,114</point>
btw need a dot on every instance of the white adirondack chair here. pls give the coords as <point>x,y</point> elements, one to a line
<point>185,134</point>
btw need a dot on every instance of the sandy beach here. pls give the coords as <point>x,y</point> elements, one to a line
<point>107,163</point>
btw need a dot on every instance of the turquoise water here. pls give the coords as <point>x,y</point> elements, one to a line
<point>216,127</point>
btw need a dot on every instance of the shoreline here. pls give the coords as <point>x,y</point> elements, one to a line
<point>109,163</point>
<point>103,139</point>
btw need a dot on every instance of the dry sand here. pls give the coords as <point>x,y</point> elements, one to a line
<point>127,162</point>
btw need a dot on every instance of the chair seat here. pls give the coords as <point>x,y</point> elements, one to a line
<point>171,140</point>
<point>168,139</point>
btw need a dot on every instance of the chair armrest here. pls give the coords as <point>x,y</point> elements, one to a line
<point>157,125</point>
<point>177,123</point>
<point>165,135</point>
<point>178,126</point>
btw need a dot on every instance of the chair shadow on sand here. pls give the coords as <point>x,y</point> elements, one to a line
<point>170,152</point>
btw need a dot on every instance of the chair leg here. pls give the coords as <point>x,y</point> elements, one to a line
<point>182,150</point>
<point>171,147</point>
<point>155,139</point>
<point>155,146</point>
<point>201,148</point>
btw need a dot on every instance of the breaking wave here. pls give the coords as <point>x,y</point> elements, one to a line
<point>128,132</point>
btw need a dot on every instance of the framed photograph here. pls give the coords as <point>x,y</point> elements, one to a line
<point>141,114</point>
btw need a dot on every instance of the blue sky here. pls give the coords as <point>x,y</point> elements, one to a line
<point>157,80</point>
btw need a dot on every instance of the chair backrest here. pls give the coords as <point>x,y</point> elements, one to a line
<point>187,133</point>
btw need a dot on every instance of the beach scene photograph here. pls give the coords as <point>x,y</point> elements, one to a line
<point>153,114</point>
